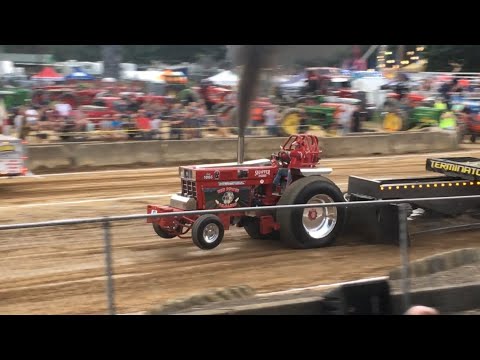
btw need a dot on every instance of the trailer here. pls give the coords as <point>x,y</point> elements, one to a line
<point>12,157</point>
<point>460,176</point>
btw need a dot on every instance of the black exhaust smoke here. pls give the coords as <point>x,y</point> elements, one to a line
<point>254,58</point>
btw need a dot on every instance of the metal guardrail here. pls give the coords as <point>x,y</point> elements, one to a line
<point>217,211</point>
<point>106,220</point>
<point>219,132</point>
<point>463,75</point>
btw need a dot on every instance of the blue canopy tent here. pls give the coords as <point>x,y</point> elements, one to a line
<point>79,74</point>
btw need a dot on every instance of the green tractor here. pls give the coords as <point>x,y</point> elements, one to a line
<point>317,112</point>
<point>409,116</point>
<point>15,97</point>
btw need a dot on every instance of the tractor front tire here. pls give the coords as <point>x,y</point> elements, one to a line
<point>311,227</point>
<point>161,232</point>
<point>207,232</point>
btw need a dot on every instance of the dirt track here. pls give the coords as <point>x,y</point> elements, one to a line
<point>60,270</point>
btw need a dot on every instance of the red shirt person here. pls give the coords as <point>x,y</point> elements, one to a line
<point>143,122</point>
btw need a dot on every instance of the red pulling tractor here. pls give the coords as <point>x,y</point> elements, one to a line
<point>250,187</point>
<point>251,184</point>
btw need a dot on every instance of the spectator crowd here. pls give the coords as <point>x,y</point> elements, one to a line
<point>130,119</point>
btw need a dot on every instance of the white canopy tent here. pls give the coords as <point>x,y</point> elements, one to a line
<point>152,75</point>
<point>225,78</point>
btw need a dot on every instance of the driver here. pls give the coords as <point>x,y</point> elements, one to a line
<point>288,160</point>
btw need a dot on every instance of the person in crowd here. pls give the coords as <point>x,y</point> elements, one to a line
<point>447,88</point>
<point>31,118</point>
<point>121,105</point>
<point>132,105</point>
<point>356,119</point>
<point>20,124</point>
<point>5,124</point>
<point>64,109</point>
<point>143,124</point>
<point>156,125</point>
<point>257,119</point>
<point>116,126</point>
<point>271,120</point>
<point>426,85</point>
<point>129,125</point>
<point>345,119</point>
<point>176,121</point>
<point>90,126</point>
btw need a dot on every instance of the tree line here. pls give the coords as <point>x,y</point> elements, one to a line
<point>440,57</point>
<point>140,54</point>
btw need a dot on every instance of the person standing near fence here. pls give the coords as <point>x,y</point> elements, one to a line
<point>143,124</point>
<point>4,124</point>
<point>271,117</point>
<point>64,109</point>
<point>345,120</point>
<point>156,124</point>
<point>117,126</point>
<point>356,119</point>
<point>256,118</point>
<point>446,89</point>
<point>19,123</point>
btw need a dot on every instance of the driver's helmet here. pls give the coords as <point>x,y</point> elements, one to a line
<point>295,145</point>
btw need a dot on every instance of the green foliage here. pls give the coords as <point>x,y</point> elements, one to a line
<point>440,57</point>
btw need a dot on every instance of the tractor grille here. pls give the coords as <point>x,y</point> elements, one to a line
<point>189,188</point>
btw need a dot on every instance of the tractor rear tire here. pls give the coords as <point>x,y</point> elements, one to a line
<point>290,122</point>
<point>207,232</point>
<point>252,227</point>
<point>393,122</point>
<point>162,233</point>
<point>297,229</point>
